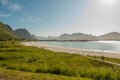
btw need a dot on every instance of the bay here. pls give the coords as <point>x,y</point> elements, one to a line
<point>90,45</point>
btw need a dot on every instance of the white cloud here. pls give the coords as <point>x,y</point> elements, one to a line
<point>4,15</point>
<point>15,7</point>
<point>11,5</point>
<point>30,19</point>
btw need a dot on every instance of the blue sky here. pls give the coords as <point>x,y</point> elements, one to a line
<point>54,17</point>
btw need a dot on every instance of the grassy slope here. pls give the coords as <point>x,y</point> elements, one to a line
<point>20,75</point>
<point>48,64</point>
<point>115,60</point>
<point>6,33</point>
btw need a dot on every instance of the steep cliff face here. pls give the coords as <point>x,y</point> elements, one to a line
<point>6,32</point>
<point>24,34</point>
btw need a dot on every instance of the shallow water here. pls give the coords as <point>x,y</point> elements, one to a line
<point>92,45</point>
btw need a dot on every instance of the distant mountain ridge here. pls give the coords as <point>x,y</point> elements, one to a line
<point>84,37</point>
<point>77,36</point>
<point>7,33</point>
<point>110,36</point>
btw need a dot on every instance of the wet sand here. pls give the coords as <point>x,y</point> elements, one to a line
<point>74,50</point>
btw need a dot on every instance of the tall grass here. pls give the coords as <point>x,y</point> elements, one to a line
<point>32,59</point>
<point>115,60</point>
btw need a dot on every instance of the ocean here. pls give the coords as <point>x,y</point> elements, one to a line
<point>90,45</point>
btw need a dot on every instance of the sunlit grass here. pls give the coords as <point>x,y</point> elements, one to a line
<point>14,56</point>
<point>115,60</point>
<point>20,75</point>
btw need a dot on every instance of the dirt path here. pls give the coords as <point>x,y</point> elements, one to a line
<point>105,61</point>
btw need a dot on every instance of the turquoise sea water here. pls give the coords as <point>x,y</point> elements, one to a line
<point>92,45</point>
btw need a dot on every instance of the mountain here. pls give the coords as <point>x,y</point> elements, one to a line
<point>70,37</point>
<point>24,34</point>
<point>110,36</point>
<point>46,38</point>
<point>41,38</point>
<point>77,36</point>
<point>6,32</point>
<point>83,37</point>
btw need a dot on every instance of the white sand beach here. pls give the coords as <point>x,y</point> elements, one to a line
<point>74,50</point>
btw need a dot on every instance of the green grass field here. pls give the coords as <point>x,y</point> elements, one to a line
<point>18,62</point>
<point>115,60</point>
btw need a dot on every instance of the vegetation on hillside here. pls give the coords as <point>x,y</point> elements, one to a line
<point>115,60</point>
<point>21,75</point>
<point>35,61</point>
<point>6,32</point>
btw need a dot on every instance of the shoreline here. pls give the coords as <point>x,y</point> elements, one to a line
<point>79,48</point>
<point>74,50</point>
